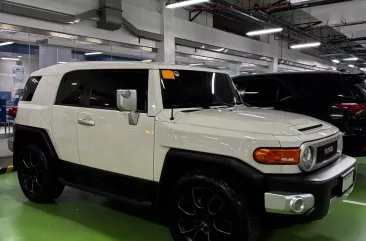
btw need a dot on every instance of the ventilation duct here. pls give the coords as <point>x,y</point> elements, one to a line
<point>110,15</point>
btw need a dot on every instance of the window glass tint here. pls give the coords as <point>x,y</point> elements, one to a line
<point>72,88</point>
<point>259,89</point>
<point>106,83</point>
<point>186,88</point>
<point>30,88</point>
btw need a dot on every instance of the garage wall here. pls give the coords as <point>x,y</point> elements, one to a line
<point>6,73</point>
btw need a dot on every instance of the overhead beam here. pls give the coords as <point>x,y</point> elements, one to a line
<point>33,12</point>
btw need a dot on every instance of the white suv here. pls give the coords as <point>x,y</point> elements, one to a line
<point>177,139</point>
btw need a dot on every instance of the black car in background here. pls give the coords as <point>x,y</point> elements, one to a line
<point>337,98</point>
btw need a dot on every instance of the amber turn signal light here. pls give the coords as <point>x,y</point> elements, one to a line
<point>277,156</point>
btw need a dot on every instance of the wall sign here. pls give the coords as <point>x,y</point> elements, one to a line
<point>18,74</point>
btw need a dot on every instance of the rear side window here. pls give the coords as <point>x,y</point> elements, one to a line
<point>72,88</point>
<point>30,88</point>
<point>105,83</point>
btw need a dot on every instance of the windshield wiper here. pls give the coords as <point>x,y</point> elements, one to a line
<point>231,104</point>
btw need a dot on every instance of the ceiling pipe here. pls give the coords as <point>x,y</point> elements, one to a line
<point>305,5</point>
<point>265,19</point>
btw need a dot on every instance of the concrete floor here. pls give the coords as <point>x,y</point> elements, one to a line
<point>78,215</point>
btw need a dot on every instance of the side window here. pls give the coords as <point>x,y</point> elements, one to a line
<point>30,88</point>
<point>261,90</point>
<point>106,83</point>
<point>282,93</point>
<point>72,88</point>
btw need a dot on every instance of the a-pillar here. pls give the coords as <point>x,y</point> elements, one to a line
<point>50,55</point>
<point>167,46</point>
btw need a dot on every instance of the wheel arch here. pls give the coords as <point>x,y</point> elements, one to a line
<point>179,162</point>
<point>26,134</point>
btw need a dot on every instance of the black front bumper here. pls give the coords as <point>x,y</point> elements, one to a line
<point>324,184</point>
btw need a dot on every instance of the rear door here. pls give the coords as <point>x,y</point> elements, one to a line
<point>65,114</point>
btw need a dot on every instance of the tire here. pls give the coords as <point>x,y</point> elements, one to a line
<point>36,175</point>
<point>204,206</point>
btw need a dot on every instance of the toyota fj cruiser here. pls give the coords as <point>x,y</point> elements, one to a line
<point>177,139</point>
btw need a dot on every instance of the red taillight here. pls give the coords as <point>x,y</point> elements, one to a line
<point>13,112</point>
<point>352,107</point>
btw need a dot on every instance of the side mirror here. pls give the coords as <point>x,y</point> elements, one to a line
<point>127,100</point>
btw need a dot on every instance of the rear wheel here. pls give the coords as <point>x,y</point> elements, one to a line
<point>204,207</point>
<point>36,175</point>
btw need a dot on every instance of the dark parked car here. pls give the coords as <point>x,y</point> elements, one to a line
<point>336,98</point>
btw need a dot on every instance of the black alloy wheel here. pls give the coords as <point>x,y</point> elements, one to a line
<point>31,172</point>
<point>204,216</point>
<point>37,176</point>
<point>205,208</point>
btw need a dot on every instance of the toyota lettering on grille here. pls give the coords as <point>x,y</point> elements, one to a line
<point>328,150</point>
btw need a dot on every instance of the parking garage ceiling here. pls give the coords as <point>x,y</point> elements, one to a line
<point>338,24</point>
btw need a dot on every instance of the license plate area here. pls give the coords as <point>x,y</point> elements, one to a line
<point>348,180</point>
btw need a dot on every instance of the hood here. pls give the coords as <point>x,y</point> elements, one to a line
<point>253,120</point>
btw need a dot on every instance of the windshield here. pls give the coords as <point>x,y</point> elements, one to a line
<point>187,88</point>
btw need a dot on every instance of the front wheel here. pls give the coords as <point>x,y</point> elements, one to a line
<point>36,175</point>
<point>204,207</point>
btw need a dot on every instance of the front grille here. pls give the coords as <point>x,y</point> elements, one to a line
<point>325,152</point>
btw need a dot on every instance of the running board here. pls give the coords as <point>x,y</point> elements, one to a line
<point>126,200</point>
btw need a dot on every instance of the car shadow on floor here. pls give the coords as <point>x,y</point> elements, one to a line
<point>112,218</point>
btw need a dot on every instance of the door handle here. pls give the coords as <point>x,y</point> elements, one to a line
<point>87,121</point>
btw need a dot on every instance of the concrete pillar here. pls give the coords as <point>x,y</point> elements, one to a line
<point>273,66</point>
<point>237,69</point>
<point>49,55</point>
<point>167,46</point>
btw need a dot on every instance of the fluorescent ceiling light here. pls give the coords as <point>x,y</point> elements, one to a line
<point>351,59</point>
<point>93,53</point>
<point>4,58</point>
<point>219,50</point>
<point>247,65</point>
<point>185,3</point>
<point>146,60</point>
<point>307,45</point>
<point>201,57</point>
<point>146,49</point>
<point>82,42</point>
<point>351,65</point>
<point>298,1</point>
<point>20,56</point>
<point>62,62</point>
<point>264,31</point>
<point>7,31</point>
<point>335,61</point>
<point>6,43</point>
<point>222,67</point>
<point>198,64</point>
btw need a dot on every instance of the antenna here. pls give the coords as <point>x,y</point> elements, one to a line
<point>172,113</point>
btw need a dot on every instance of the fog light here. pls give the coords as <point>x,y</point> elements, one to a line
<point>297,205</point>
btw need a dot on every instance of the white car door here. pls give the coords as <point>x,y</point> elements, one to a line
<point>106,139</point>
<point>65,114</point>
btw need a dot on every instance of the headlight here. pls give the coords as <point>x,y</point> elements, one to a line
<point>307,160</point>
